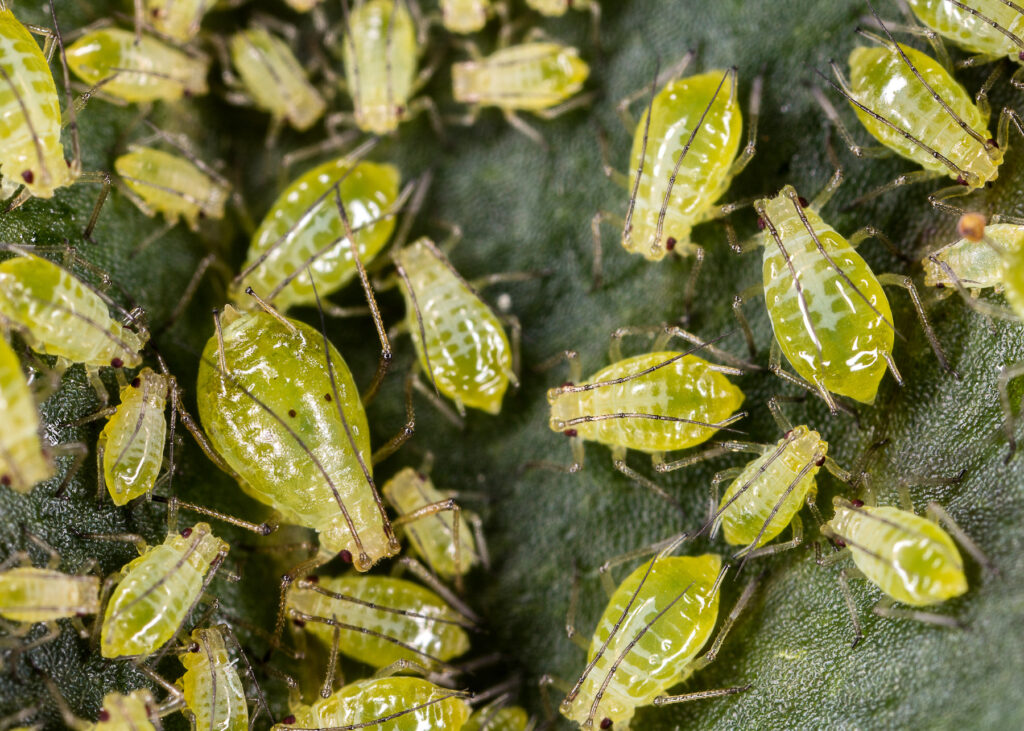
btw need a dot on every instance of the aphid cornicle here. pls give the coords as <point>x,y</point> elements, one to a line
<point>149,70</point>
<point>176,19</point>
<point>460,342</point>
<point>304,231</point>
<point>379,620</point>
<point>282,411</point>
<point>23,462</point>
<point>212,689</point>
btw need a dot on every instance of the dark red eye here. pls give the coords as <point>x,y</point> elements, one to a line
<point>5,480</point>
<point>570,432</point>
<point>327,397</point>
<point>186,533</point>
<point>313,579</point>
<point>28,176</point>
<point>839,542</point>
<point>606,723</point>
<point>670,243</point>
<point>194,647</point>
<point>298,623</point>
<point>291,413</point>
<point>961,180</point>
<point>346,556</point>
<point>136,382</point>
<point>104,715</point>
<point>857,503</point>
<point>116,363</point>
<point>760,223</point>
<point>819,461</point>
<point>288,720</point>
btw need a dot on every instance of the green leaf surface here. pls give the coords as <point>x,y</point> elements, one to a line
<point>523,207</point>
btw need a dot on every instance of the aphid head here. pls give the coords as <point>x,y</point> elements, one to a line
<point>565,406</point>
<point>786,213</point>
<point>642,236</point>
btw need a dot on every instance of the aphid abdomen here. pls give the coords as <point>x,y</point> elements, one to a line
<point>134,712</point>
<point>550,8</point>
<point>59,315</point>
<point>22,461</point>
<point>133,439</point>
<point>528,77</point>
<point>178,19</point>
<point>466,352</point>
<point>171,185</point>
<point>845,347</point>
<point>31,153</point>
<point>968,30</point>
<point>213,691</point>
<point>687,388</point>
<point>28,594</point>
<point>434,636</point>
<point>304,227</point>
<point>908,557</point>
<point>660,657</point>
<point>380,53</point>
<point>510,718</point>
<point>274,418</point>
<point>976,264</point>
<point>413,704</point>
<point>768,480</point>
<point>702,177</point>
<point>882,82</point>
<point>149,71</point>
<point>464,16</point>
<point>157,592</point>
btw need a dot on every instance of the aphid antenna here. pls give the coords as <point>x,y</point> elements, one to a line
<point>718,426</point>
<point>272,311</point>
<point>430,579</point>
<point>631,206</point>
<point>174,504</point>
<point>175,697</point>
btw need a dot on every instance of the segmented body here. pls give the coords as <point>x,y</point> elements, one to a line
<point>177,19</point>
<point>834,328</point>
<point>462,345</point>
<point>646,654</point>
<point>381,54</point>
<point>407,621</point>
<point>908,557</point>
<point>969,31</point>
<point>23,464</point>
<point>172,185</point>
<point>275,79</point>
<point>31,153</point>
<point>408,704</point>
<point>213,691</point>
<point>294,432</point>
<point>665,384</point>
<point>432,538</point>
<point>304,228</point>
<point>657,225</point>
<point>465,16</point>
<point>149,71</point>
<point>510,718</point>
<point>132,442</point>
<point>883,82</point>
<point>978,265</point>
<point>157,592</point>
<point>132,712</point>
<point>527,77</point>
<point>29,594</point>
<point>762,487</point>
<point>59,315</point>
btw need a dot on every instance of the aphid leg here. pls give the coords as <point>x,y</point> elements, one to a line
<point>899,280</point>
<point>407,430</point>
<point>981,98</point>
<point>430,579</point>
<point>197,433</point>
<point>580,100</point>
<point>544,684</point>
<point>619,462</point>
<point>660,549</point>
<point>93,374</point>
<point>937,513</point>
<point>104,179</point>
<point>103,413</point>
<point>105,590</point>
<point>716,451</point>
<point>437,402</point>
<point>78,451</point>
<point>570,612</point>
<point>175,697</point>
<point>740,366</point>
<point>744,323</point>
<point>597,266</point>
<point>775,366</point>
<point>874,151</point>
<point>332,663</point>
<point>709,657</point>
<point>619,178</point>
<point>433,509</point>
<point>525,128</point>
<point>660,77</point>
<point>885,608</point>
<point>870,232</point>
<point>174,504</point>
<point>730,473</point>
<point>939,199</point>
<point>851,606</point>
<point>797,528</point>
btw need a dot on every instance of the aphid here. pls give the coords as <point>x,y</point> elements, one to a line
<point>176,19</point>
<point>910,558</point>
<point>648,640</point>
<point>23,461</point>
<point>137,711</point>
<point>684,157</point>
<point>656,402</point>
<point>213,691</point>
<point>133,69</point>
<point>283,415</point>
<point>459,341</point>
<point>468,16</point>
<point>274,80</point>
<point>433,523</point>
<point>385,703</point>
<point>305,231</point>
<point>58,314</point>
<point>302,6</point>
<point>499,718</point>
<point>379,620</point>
<point>537,77</point>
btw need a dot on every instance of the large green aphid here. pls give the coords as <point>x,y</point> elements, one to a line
<point>283,415</point>
<point>211,687</point>
<point>460,342</point>
<point>23,461</point>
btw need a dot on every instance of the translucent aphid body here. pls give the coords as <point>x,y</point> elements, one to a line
<point>977,265</point>
<point>213,691</point>
<point>646,402</point>
<point>133,712</point>
<point>171,185</point>
<point>971,32</point>
<point>509,718</point>
<point>148,71</point>
<point>558,8</point>
<point>385,704</point>
<point>59,315</point>
<point>302,6</point>
<point>671,200</point>
<point>405,621</point>
<point>380,53</point>
<point>883,82</point>
<point>286,417</point>
<point>23,464</point>
<point>31,153</point>
<point>30,594</point>
<point>529,77</point>
<point>177,19</point>
<point>304,228</point>
<point>908,557</point>
<point>274,78</point>
<point>432,537</point>
<point>131,444</point>
<point>461,344</point>
<point>465,16</point>
<point>828,311</point>
<point>655,624</point>
<point>158,590</point>
<point>761,489</point>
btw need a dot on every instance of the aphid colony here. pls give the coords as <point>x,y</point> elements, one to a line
<point>280,412</point>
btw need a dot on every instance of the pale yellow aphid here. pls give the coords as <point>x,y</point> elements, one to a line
<point>176,19</point>
<point>137,711</point>
<point>467,16</point>
<point>302,6</point>
<point>213,691</point>
<point>495,717</point>
<point>23,462</point>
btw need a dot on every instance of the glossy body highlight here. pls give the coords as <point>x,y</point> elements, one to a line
<point>213,691</point>
<point>23,463</point>
<point>970,32</point>
<point>171,185</point>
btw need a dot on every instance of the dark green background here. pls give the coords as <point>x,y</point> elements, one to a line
<point>526,208</point>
